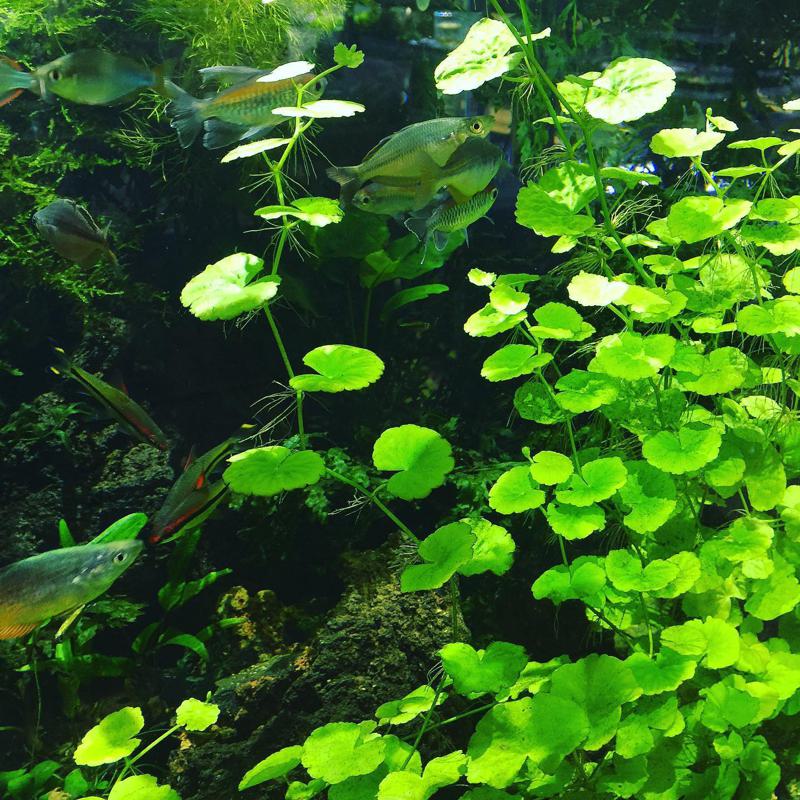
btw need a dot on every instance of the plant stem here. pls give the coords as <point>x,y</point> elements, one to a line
<point>425,722</point>
<point>129,762</point>
<point>290,372</point>
<point>373,498</point>
<point>457,717</point>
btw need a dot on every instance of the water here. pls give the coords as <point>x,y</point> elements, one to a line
<point>280,596</point>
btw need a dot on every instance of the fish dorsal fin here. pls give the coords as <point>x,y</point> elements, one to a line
<point>377,147</point>
<point>189,459</point>
<point>224,74</point>
<point>15,631</point>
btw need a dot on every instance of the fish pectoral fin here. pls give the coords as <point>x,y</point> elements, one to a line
<point>16,631</point>
<point>69,622</point>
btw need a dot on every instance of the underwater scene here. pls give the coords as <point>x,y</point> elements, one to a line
<point>399,399</point>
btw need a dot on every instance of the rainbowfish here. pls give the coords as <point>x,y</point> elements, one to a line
<point>241,111</point>
<point>91,77</point>
<point>450,218</point>
<point>380,198</point>
<point>412,152</point>
<point>72,233</point>
<point>192,498</point>
<point>59,581</point>
<point>128,413</point>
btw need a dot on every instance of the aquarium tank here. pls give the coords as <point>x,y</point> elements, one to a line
<point>399,400</point>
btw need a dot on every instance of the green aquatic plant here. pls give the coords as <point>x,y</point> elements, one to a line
<point>48,20</point>
<point>674,511</point>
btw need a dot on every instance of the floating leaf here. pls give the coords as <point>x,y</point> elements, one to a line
<point>420,456</point>
<point>338,750</point>
<point>550,467</point>
<point>316,211</point>
<point>545,215</point>
<point>111,739</point>
<point>629,88</point>
<point>321,109</point>
<point>273,766</point>
<point>597,481</point>
<point>267,471</point>
<point>515,491</point>
<point>575,522</point>
<point>687,450</point>
<point>684,142</point>
<point>294,69</point>
<point>195,715</point>
<point>476,672</point>
<point>481,57</point>
<point>444,551</point>
<point>512,361</point>
<point>227,288</point>
<point>341,368</point>
<point>253,149</point>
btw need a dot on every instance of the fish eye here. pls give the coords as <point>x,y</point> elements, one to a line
<point>364,200</point>
<point>55,75</point>
<point>119,558</point>
<point>477,126</point>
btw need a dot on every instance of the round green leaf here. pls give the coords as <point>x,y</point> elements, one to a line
<point>321,109</point>
<point>598,480</point>
<point>421,457</point>
<point>273,766</point>
<point>338,750</point>
<point>267,471</point>
<point>512,361</point>
<point>253,149</point>
<point>693,219</point>
<point>534,402</point>
<point>629,88</point>
<point>141,787</point>
<point>550,467</point>
<point>341,368</point>
<point>226,289</point>
<point>195,715</point>
<point>398,712</point>
<point>761,143</point>
<point>515,491</point>
<point>631,357</point>
<point>444,551</point>
<point>691,448</point>
<point>626,572</point>
<point>575,522</point>
<point>111,739</point>
<point>316,211</point>
<point>560,321</point>
<point>547,216</point>
<point>493,550</point>
<point>649,494</point>
<point>488,321</point>
<point>482,56</point>
<point>476,672</point>
<point>684,142</point>
<point>579,391</point>
<point>588,289</point>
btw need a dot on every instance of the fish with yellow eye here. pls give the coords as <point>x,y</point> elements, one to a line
<point>90,77</point>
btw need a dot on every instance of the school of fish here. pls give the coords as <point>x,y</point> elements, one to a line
<point>437,173</point>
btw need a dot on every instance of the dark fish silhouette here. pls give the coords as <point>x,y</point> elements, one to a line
<point>70,230</point>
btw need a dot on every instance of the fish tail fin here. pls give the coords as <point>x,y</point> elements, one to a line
<point>185,112</point>
<point>222,134</point>
<point>13,80</point>
<point>348,178</point>
<point>161,75</point>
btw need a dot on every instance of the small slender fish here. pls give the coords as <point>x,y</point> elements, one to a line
<point>90,77</point>
<point>450,218</point>
<point>241,111</point>
<point>380,198</point>
<point>59,581</point>
<point>192,498</point>
<point>412,152</point>
<point>70,230</point>
<point>127,412</point>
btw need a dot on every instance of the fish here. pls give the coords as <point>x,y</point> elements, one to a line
<point>89,77</point>
<point>450,218</point>
<point>59,581</point>
<point>70,230</point>
<point>128,413</point>
<point>236,113</point>
<point>192,498</point>
<point>468,171</point>
<point>412,152</point>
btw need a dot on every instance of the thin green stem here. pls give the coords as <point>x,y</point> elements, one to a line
<point>373,498</point>
<point>131,761</point>
<point>457,717</point>
<point>289,371</point>
<point>425,722</point>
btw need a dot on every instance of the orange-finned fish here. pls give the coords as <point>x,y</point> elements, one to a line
<point>241,111</point>
<point>192,498</point>
<point>59,581</point>
<point>72,233</point>
<point>91,77</point>
<point>127,412</point>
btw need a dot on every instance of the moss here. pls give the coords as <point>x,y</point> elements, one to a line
<point>48,19</point>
